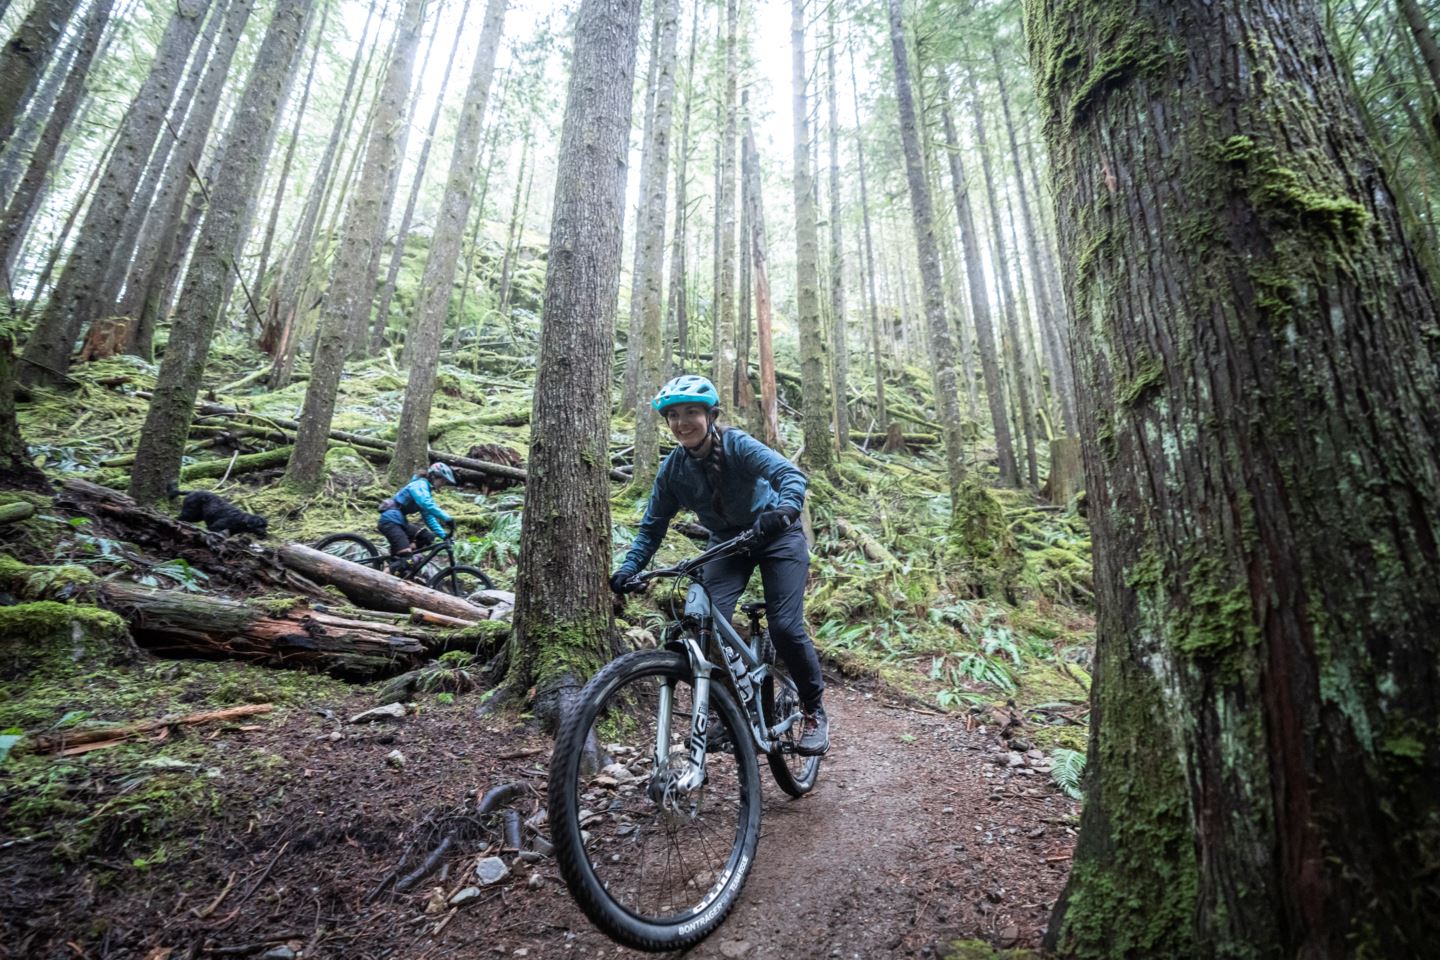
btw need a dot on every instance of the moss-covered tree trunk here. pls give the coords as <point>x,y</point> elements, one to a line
<point>412,445</point>
<point>652,244</point>
<point>882,415</point>
<point>16,469</point>
<point>167,423</point>
<point>1259,356</point>
<point>727,370</point>
<point>562,610</point>
<point>840,353</point>
<point>819,453</point>
<point>346,311</point>
<point>25,55</point>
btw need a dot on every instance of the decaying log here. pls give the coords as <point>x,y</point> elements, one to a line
<point>374,588</point>
<point>228,562</point>
<point>18,510</point>
<point>868,545</point>
<point>74,738</point>
<point>234,466</point>
<point>176,622</point>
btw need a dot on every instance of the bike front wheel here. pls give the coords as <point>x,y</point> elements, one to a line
<point>654,866</point>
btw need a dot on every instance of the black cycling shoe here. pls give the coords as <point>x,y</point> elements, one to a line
<point>814,734</point>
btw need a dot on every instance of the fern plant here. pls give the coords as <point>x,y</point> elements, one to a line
<point>1067,768</point>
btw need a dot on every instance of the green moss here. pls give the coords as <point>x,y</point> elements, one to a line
<point>980,950</point>
<point>46,620</point>
<point>37,583</point>
<point>569,651</point>
<point>981,544</point>
<point>1149,370</point>
<point>1282,192</point>
<point>483,633</point>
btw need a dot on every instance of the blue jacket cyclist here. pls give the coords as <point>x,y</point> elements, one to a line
<point>735,483</point>
<point>417,496</point>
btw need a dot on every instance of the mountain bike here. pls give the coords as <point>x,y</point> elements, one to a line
<point>424,565</point>
<point>654,793</point>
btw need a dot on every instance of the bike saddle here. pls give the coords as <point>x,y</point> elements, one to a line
<point>753,609</point>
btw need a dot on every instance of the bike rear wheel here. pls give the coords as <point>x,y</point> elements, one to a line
<point>348,546</point>
<point>461,580</point>
<point>793,773</point>
<point>654,870</point>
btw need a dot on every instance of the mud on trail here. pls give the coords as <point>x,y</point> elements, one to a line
<point>920,832</point>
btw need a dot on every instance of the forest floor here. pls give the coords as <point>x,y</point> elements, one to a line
<point>272,837</point>
<point>919,833</point>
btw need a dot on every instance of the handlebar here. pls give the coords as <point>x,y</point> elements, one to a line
<point>718,552</point>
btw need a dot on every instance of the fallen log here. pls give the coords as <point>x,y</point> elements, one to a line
<point>227,562</point>
<point>273,634</point>
<point>909,439</point>
<point>245,463</point>
<point>868,545</point>
<point>18,510</point>
<point>74,738</point>
<point>374,588</point>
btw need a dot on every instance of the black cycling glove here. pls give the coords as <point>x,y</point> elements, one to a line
<point>620,581</point>
<point>771,523</point>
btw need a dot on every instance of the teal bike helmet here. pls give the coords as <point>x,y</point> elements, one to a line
<point>686,388</point>
<point>441,471</point>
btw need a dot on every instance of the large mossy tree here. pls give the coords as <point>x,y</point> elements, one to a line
<point>1257,349</point>
<point>562,608</point>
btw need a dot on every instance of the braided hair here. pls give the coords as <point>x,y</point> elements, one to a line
<point>715,467</point>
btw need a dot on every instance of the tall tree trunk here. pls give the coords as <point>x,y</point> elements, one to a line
<point>942,351</point>
<point>1045,306</point>
<point>1259,424</point>
<point>438,281</point>
<point>1424,34</point>
<point>28,130</point>
<point>1010,292</point>
<point>652,255</point>
<point>266,244</point>
<point>278,338</point>
<point>840,350</point>
<point>16,467</point>
<point>819,452</point>
<point>677,317</point>
<point>397,250</point>
<point>642,211</point>
<point>725,343</point>
<point>484,186</point>
<point>980,306</point>
<point>746,409</point>
<point>882,415</point>
<point>167,424</point>
<point>142,201</point>
<point>158,244</point>
<point>25,55</point>
<point>25,201</point>
<point>352,279</point>
<point>764,339</point>
<point>562,611</point>
<point>512,233</point>
<point>71,305</point>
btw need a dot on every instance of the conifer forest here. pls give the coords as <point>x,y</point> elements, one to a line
<point>396,395</point>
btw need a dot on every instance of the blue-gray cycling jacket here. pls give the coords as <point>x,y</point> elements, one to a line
<point>756,479</point>
<point>418,496</point>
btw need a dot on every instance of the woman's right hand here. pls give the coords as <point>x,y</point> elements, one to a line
<point>621,582</point>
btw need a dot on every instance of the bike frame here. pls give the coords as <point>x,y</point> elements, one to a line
<point>742,663</point>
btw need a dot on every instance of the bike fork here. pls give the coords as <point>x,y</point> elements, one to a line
<point>699,720</point>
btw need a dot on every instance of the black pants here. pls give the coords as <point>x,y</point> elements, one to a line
<point>400,535</point>
<point>784,564</point>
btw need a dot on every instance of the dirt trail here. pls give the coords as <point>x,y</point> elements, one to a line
<point>914,836</point>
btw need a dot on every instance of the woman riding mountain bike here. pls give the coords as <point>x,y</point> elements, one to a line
<point>734,483</point>
<point>417,496</point>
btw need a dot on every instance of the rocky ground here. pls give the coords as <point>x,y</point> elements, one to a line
<point>924,829</point>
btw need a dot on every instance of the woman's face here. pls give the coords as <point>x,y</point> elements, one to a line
<point>689,422</point>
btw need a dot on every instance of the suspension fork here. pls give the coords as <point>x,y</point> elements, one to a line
<point>700,712</point>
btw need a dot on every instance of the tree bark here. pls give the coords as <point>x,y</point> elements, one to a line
<point>1424,35</point>
<point>642,215</point>
<point>652,256</point>
<point>397,250</point>
<point>167,423</point>
<point>37,113</point>
<point>24,202</point>
<point>16,468</point>
<point>157,244</point>
<point>764,332</point>
<point>840,349</point>
<point>1261,448</point>
<point>25,55</point>
<point>980,306</point>
<point>819,453</point>
<point>882,415</point>
<point>942,351</point>
<point>351,290</point>
<point>725,339</point>
<point>562,613</point>
<point>438,282</point>
<point>676,315</point>
<point>72,304</point>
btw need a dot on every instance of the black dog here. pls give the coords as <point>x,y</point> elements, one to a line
<point>219,514</point>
